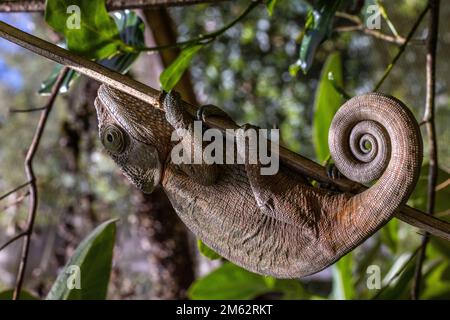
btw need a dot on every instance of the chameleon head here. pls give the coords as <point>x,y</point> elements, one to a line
<point>138,158</point>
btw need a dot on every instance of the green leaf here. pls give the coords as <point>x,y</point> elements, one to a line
<point>24,295</point>
<point>93,257</point>
<point>228,282</point>
<point>172,74</point>
<point>131,29</point>
<point>207,251</point>
<point>270,5</point>
<point>327,102</point>
<point>343,287</point>
<point>89,30</point>
<point>317,27</point>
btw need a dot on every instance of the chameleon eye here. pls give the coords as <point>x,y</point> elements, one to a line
<point>113,139</point>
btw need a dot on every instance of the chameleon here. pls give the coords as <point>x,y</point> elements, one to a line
<point>279,225</point>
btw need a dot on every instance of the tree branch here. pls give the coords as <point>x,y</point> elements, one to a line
<point>33,200</point>
<point>151,96</point>
<point>433,30</point>
<point>111,5</point>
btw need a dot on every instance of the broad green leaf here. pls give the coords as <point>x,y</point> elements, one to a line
<point>131,29</point>
<point>172,74</point>
<point>24,295</point>
<point>327,102</point>
<point>343,286</point>
<point>228,282</point>
<point>207,251</point>
<point>270,5</point>
<point>317,27</point>
<point>91,263</point>
<point>87,27</point>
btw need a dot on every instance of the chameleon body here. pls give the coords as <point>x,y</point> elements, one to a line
<point>275,225</point>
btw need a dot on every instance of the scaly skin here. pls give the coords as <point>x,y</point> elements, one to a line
<point>275,225</point>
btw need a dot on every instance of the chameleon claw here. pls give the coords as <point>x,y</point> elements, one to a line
<point>333,172</point>
<point>210,110</point>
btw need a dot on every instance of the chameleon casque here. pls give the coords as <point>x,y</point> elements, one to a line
<point>277,225</point>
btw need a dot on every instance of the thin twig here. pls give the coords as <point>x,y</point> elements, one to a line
<point>401,49</point>
<point>26,110</point>
<point>204,39</point>
<point>13,239</point>
<point>15,202</point>
<point>443,185</point>
<point>111,5</point>
<point>359,26</point>
<point>371,32</point>
<point>433,30</point>
<point>33,200</point>
<point>151,96</point>
<point>14,190</point>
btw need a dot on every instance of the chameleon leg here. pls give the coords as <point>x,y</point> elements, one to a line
<point>285,196</point>
<point>183,123</point>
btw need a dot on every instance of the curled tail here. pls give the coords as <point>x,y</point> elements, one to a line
<point>374,136</point>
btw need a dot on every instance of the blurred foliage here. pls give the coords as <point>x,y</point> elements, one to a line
<point>247,71</point>
<point>24,295</point>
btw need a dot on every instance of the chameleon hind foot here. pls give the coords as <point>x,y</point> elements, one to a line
<point>332,173</point>
<point>210,110</point>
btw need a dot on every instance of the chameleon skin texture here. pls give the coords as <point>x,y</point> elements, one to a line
<point>277,225</point>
